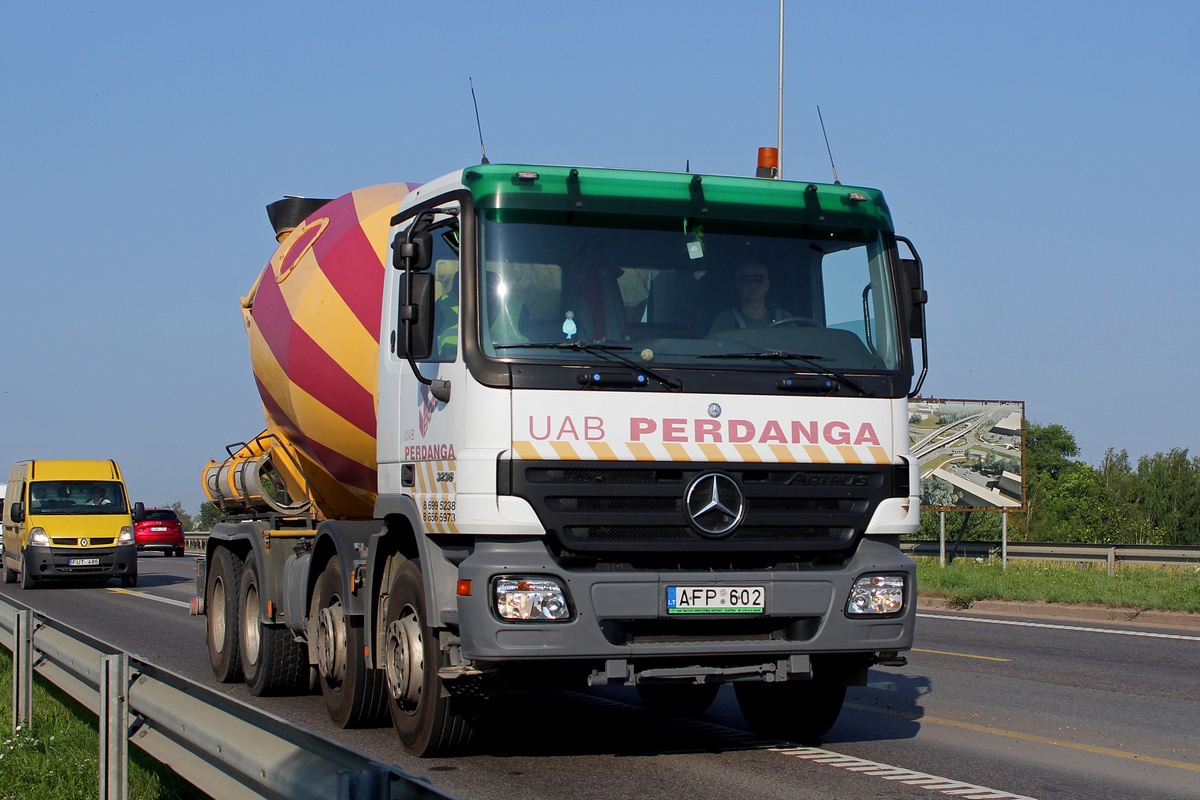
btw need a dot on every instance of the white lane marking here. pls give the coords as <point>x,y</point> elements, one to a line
<point>1110,631</point>
<point>155,598</point>
<point>816,754</point>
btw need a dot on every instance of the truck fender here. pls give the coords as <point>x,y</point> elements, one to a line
<point>343,540</point>
<point>404,533</point>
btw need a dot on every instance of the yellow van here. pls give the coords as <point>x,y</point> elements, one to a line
<point>68,519</point>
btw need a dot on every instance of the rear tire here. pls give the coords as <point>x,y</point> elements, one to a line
<point>681,700</point>
<point>793,710</point>
<point>354,695</point>
<point>430,717</point>
<point>221,603</point>
<point>272,661</point>
<point>10,575</point>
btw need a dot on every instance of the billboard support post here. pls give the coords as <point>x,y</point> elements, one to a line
<point>942,541</point>
<point>1004,540</point>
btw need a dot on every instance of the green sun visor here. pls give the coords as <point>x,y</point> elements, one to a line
<point>692,196</point>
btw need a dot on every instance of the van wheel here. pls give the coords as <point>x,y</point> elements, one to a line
<point>221,593</point>
<point>354,695</point>
<point>129,581</point>
<point>10,575</point>
<point>682,700</point>
<point>27,581</point>
<point>429,717</point>
<point>794,710</point>
<point>272,661</point>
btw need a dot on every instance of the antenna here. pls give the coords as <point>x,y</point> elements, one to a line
<point>477,125</point>
<point>826,135</point>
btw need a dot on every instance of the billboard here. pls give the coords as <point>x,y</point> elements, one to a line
<point>971,453</point>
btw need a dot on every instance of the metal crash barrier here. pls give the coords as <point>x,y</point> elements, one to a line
<point>224,747</point>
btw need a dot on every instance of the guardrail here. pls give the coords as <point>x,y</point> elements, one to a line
<point>1060,551</point>
<point>196,540</point>
<point>221,745</point>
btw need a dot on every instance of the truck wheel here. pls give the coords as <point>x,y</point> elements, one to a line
<point>273,662</point>
<point>354,695</point>
<point>681,700</point>
<point>429,720</point>
<point>224,578</point>
<point>794,710</point>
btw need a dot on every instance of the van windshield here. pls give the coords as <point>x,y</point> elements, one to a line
<point>77,497</point>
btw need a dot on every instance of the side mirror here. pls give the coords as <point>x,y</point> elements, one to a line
<point>17,512</point>
<point>415,255</point>
<point>416,318</point>
<point>917,297</point>
<point>139,512</point>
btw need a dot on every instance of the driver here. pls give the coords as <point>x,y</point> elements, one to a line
<point>752,283</point>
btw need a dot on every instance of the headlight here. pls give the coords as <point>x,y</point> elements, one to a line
<point>540,599</point>
<point>38,536</point>
<point>126,536</point>
<point>876,594</point>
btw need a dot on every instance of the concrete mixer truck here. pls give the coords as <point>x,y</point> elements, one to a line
<point>541,426</point>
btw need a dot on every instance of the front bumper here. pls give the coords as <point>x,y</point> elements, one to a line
<point>620,615</point>
<point>55,562</point>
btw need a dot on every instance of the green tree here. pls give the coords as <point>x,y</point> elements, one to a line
<point>207,517</point>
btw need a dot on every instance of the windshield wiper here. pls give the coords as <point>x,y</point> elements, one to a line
<point>784,355</point>
<point>673,384</point>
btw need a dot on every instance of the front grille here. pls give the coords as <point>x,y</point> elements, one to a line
<point>62,561</point>
<point>69,542</point>
<point>640,507</point>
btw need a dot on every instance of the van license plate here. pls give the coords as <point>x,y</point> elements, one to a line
<point>84,562</point>
<point>716,599</point>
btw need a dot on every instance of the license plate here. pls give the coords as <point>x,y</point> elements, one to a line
<point>84,562</point>
<point>716,599</point>
<point>159,528</point>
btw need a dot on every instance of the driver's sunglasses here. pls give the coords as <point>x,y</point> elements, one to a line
<point>752,279</point>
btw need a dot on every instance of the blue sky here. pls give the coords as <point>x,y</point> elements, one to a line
<point>1042,156</point>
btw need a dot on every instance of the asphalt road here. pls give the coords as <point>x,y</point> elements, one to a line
<point>988,707</point>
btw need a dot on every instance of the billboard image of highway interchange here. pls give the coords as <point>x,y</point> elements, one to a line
<point>970,453</point>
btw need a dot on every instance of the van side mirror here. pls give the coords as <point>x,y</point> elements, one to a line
<point>415,255</point>
<point>416,318</point>
<point>17,512</point>
<point>139,512</point>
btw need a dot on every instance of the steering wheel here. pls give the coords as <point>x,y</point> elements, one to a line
<point>806,322</point>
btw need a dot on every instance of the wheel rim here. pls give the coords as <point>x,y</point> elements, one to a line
<point>250,624</point>
<point>405,665</point>
<point>331,643</point>
<point>217,617</point>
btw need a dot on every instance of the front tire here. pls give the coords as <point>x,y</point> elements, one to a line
<point>224,580</point>
<point>799,711</point>
<point>27,581</point>
<point>272,661</point>
<point>429,720</point>
<point>354,695</point>
<point>129,581</point>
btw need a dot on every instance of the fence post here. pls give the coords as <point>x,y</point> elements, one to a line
<point>114,727</point>
<point>1004,541</point>
<point>1112,561</point>
<point>942,540</point>
<point>22,699</point>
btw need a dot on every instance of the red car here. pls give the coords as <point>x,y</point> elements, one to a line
<point>160,530</point>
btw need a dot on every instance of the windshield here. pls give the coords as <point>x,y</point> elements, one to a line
<point>683,294</point>
<point>77,497</point>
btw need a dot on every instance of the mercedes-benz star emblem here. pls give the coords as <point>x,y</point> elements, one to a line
<point>715,504</point>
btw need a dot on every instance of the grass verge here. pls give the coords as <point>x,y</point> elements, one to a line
<point>58,759</point>
<point>1135,587</point>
